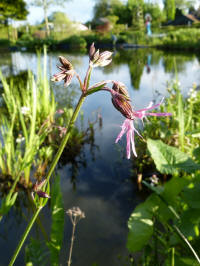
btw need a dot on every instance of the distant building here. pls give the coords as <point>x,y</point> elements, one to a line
<point>182,19</point>
<point>103,25</point>
<point>79,26</point>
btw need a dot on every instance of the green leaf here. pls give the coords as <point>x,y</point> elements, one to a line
<point>191,195</point>
<point>57,226</point>
<point>173,187</point>
<point>194,133</point>
<point>170,160</point>
<point>190,222</point>
<point>140,225</point>
<point>196,153</point>
<point>36,253</point>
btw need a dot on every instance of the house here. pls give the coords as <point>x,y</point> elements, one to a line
<point>182,19</point>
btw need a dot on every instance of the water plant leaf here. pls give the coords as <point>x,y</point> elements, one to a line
<point>170,160</point>
<point>57,226</point>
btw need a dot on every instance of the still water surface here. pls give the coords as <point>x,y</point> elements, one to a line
<point>103,186</point>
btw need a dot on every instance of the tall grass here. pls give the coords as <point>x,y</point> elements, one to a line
<point>29,113</point>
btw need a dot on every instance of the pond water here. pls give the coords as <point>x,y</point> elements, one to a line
<point>102,184</point>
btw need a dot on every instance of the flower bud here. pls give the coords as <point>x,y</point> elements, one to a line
<point>122,105</point>
<point>120,88</point>
<point>99,59</point>
<point>67,71</point>
<point>42,194</point>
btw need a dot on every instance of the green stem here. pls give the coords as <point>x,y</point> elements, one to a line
<point>24,236</point>
<point>66,137</point>
<point>172,259</point>
<point>181,235</point>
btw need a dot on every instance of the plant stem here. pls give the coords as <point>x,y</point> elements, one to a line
<point>181,235</point>
<point>24,236</point>
<point>66,137</point>
<point>172,259</point>
<point>72,243</point>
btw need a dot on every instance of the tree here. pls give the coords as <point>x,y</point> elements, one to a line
<point>156,13</point>
<point>59,20</point>
<point>184,4</point>
<point>60,23</point>
<point>12,9</point>
<point>104,8</point>
<point>136,9</point>
<point>46,4</point>
<point>170,9</point>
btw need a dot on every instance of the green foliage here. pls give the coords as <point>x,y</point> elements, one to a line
<point>25,124</point>
<point>104,8</point>
<point>187,39</point>
<point>170,9</point>
<point>57,226</point>
<point>73,42</point>
<point>156,13</point>
<point>140,226</point>
<point>12,9</point>
<point>136,9</point>
<point>35,253</point>
<point>184,4</point>
<point>170,160</point>
<point>60,21</point>
<point>171,208</point>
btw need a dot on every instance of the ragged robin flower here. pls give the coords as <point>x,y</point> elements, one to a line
<point>121,99</point>
<point>129,129</point>
<point>99,59</point>
<point>37,189</point>
<point>67,71</point>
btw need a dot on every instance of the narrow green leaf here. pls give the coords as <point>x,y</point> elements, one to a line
<point>57,226</point>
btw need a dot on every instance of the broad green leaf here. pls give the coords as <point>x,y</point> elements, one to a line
<point>190,222</point>
<point>191,195</point>
<point>140,225</point>
<point>196,153</point>
<point>170,160</point>
<point>173,187</point>
<point>57,226</point>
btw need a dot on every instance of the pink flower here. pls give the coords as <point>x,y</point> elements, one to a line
<point>142,112</point>
<point>129,129</point>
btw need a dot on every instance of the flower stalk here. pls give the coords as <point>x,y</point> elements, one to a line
<point>65,138</point>
<point>32,221</point>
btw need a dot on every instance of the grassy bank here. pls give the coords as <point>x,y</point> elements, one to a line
<point>185,38</point>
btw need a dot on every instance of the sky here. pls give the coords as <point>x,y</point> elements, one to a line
<point>76,10</point>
